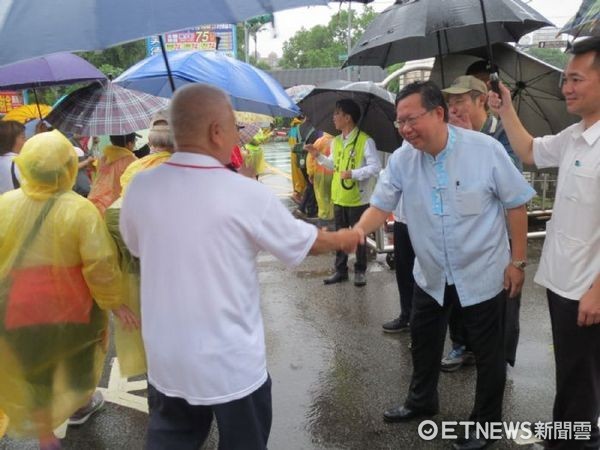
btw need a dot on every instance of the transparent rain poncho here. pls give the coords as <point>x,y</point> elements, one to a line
<point>106,187</point>
<point>322,178</point>
<point>255,157</point>
<point>129,344</point>
<point>58,274</point>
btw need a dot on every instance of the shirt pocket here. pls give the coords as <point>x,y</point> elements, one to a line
<point>576,216</point>
<point>469,202</point>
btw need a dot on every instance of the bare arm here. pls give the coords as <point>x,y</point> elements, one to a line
<point>520,140</point>
<point>589,305</point>
<point>345,240</point>
<point>371,219</point>
<point>517,223</point>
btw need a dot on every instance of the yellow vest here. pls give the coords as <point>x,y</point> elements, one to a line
<point>347,158</point>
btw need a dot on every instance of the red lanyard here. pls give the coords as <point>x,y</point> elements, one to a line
<point>191,166</point>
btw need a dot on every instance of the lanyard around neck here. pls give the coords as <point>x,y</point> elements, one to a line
<point>193,166</point>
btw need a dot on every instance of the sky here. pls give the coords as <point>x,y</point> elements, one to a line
<point>287,23</point>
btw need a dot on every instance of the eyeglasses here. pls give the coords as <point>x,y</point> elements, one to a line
<point>411,121</point>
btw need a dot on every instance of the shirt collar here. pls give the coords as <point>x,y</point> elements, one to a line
<point>592,134</point>
<point>194,158</point>
<point>350,135</point>
<point>441,156</point>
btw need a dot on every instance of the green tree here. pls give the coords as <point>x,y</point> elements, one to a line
<point>322,45</point>
<point>114,60</point>
<point>553,56</point>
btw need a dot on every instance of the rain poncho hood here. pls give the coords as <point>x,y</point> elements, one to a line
<point>58,271</point>
<point>47,164</point>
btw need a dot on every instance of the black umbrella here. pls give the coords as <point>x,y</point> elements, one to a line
<point>534,85</point>
<point>415,29</point>
<point>376,103</point>
<point>586,22</point>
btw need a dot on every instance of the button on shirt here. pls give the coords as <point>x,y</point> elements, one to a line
<point>570,259</point>
<point>198,232</point>
<point>454,205</point>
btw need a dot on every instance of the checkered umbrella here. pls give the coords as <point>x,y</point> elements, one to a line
<point>248,131</point>
<point>101,109</point>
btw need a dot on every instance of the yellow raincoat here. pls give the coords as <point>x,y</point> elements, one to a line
<point>298,181</point>
<point>3,423</point>
<point>322,178</point>
<point>56,256</point>
<point>106,187</point>
<point>255,156</point>
<point>129,344</point>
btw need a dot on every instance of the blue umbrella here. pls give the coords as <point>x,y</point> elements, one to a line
<point>250,88</point>
<point>38,27</point>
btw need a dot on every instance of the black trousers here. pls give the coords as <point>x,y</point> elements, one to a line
<point>404,259</point>
<point>484,324</point>
<point>577,358</point>
<point>243,424</point>
<point>308,205</point>
<point>512,328</point>
<point>345,217</point>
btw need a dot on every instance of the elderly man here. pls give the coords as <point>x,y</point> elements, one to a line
<point>455,185</point>
<point>570,263</point>
<point>467,98</point>
<point>355,164</point>
<point>197,228</point>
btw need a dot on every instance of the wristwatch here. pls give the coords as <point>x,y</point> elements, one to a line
<point>519,264</point>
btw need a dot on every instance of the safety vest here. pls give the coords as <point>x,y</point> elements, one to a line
<point>347,158</point>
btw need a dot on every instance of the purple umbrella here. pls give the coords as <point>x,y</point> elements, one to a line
<point>50,70</point>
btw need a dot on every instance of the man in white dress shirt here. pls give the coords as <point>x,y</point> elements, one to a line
<point>570,262</point>
<point>197,228</point>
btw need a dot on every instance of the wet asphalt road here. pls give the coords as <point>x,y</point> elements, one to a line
<point>334,371</point>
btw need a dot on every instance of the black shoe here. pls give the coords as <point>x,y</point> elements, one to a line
<point>403,414</point>
<point>336,278</point>
<point>397,325</point>
<point>360,279</point>
<point>472,443</point>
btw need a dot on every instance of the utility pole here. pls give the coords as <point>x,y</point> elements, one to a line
<point>246,42</point>
<point>349,39</point>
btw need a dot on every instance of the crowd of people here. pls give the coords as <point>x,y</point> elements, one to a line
<point>168,243</point>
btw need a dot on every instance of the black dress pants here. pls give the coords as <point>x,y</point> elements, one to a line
<point>346,217</point>
<point>577,358</point>
<point>244,424</point>
<point>484,325</point>
<point>512,328</point>
<point>404,260</point>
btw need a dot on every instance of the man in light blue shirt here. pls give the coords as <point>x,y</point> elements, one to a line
<point>455,185</point>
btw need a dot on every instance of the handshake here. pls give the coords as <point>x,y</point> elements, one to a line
<point>349,238</point>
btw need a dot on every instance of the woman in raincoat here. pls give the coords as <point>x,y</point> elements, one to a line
<point>321,177</point>
<point>56,258</point>
<point>106,187</point>
<point>298,180</point>
<point>255,156</point>
<point>128,342</point>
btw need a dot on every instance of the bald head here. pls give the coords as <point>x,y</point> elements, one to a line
<point>202,120</point>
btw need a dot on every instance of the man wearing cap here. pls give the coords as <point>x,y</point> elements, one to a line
<point>467,97</point>
<point>106,187</point>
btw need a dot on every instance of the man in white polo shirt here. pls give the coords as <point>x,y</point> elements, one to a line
<point>197,228</point>
<point>570,262</point>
